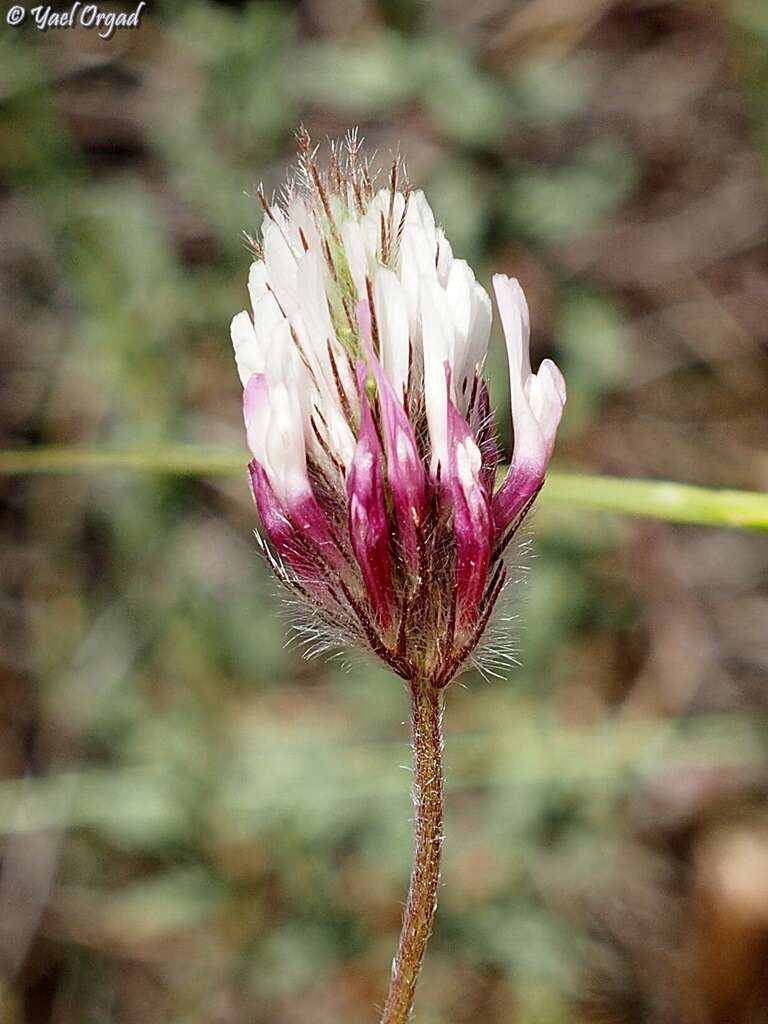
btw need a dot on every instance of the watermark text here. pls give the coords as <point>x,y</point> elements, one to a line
<point>90,16</point>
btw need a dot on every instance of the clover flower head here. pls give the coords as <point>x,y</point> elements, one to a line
<point>367,415</point>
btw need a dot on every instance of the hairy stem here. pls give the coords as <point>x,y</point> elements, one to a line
<point>426,724</point>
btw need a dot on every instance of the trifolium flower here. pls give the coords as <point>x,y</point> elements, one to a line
<point>367,415</point>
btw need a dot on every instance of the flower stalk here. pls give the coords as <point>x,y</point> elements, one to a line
<point>421,904</point>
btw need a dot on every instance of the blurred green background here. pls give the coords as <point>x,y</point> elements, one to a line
<point>199,827</point>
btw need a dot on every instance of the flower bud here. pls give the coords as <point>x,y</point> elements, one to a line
<point>368,419</point>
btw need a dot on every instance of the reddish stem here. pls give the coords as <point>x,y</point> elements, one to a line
<point>426,724</point>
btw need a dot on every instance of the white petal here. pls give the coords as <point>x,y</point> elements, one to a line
<point>301,227</point>
<point>470,342</point>
<point>459,292</point>
<point>256,415</point>
<point>282,358</point>
<point>546,394</point>
<point>340,438</point>
<point>468,462</point>
<point>479,331</point>
<point>354,247</point>
<point>417,261</point>
<point>515,320</point>
<point>266,310</point>
<point>316,332</point>
<point>370,230</point>
<point>257,282</point>
<point>383,208</point>
<point>313,303</point>
<point>443,257</point>
<point>248,354</point>
<point>281,261</point>
<point>537,400</point>
<point>284,444</point>
<point>442,308</point>
<point>420,212</point>
<point>392,318</point>
<point>272,408</point>
<point>267,317</point>
<point>437,344</point>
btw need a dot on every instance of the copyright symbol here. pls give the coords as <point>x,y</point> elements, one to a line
<point>16,15</point>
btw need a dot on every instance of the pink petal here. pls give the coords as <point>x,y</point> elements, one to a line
<point>368,525</point>
<point>405,470</point>
<point>273,516</point>
<point>292,490</point>
<point>472,522</point>
<point>521,485</point>
<point>537,406</point>
<point>289,535</point>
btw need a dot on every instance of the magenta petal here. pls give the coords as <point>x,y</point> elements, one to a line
<point>299,507</point>
<point>273,516</point>
<point>486,439</point>
<point>472,521</point>
<point>368,524</point>
<point>310,519</point>
<point>520,487</point>
<point>289,529</point>
<point>405,470</point>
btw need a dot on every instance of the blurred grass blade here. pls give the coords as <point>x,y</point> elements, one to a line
<point>656,499</point>
<point>175,460</point>
<point>660,499</point>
